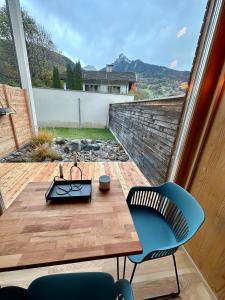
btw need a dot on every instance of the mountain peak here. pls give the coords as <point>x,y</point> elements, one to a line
<point>123,58</point>
<point>123,64</point>
<point>89,68</point>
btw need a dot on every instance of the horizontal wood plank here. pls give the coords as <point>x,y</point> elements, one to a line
<point>15,128</point>
<point>151,279</point>
<point>148,130</point>
<point>40,234</point>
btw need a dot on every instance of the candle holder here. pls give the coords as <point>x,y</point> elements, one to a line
<point>63,189</point>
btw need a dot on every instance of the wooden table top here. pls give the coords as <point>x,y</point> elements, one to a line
<point>33,234</point>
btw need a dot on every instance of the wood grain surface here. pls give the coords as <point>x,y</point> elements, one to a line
<point>148,131</point>
<point>15,128</point>
<point>207,248</point>
<point>35,234</point>
<point>151,279</point>
<point>15,176</point>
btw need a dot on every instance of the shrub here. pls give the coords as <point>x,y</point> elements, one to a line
<point>43,152</point>
<point>43,137</point>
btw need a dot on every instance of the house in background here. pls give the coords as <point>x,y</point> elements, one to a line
<point>108,81</point>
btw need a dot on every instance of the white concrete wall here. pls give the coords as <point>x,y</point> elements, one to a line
<point>59,108</point>
<point>124,89</point>
<point>103,88</point>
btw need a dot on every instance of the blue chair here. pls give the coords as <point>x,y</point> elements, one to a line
<point>79,286</point>
<point>165,217</point>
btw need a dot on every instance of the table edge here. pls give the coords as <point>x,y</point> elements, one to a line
<point>68,261</point>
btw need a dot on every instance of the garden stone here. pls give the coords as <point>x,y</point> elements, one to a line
<point>112,157</point>
<point>87,147</point>
<point>75,145</point>
<point>66,149</point>
<point>16,154</point>
<point>84,142</point>
<point>95,147</point>
<point>123,158</point>
<point>60,141</point>
<point>19,159</point>
<point>90,147</point>
<point>87,150</point>
<point>82,146</point>
<point>47,159</point>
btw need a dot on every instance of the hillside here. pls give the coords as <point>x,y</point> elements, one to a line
<point>152,81</point>
<point>9,69</point>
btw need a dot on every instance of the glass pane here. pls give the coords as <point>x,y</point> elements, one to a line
<point>152,42</point>
<point>9,73</point>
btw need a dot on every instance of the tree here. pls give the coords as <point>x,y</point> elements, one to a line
<point>39,45</point>
<point>9,72</point>
<point>78,80</point>
<point>70,84</point>
<point>140,94</point>
<point>55,79</point>
<point>38,41</point>
<point>5,32</point>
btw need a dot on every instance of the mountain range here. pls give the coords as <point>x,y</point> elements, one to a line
<point>153,81</point>
<point>123,64</point>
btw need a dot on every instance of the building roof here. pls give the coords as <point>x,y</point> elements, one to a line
<point>108,77</point>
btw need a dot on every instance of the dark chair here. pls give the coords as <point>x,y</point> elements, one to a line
<point>165,217</point>
<point>74,286</point>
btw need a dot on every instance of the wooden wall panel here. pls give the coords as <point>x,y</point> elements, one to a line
<point>7,143</point>
<point>11,139</point>
<point>207,248</point>
<point>148,130</point>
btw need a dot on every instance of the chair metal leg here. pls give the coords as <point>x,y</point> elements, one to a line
<point>132,275</point>
<point>124,267</point>
<point>174,294</point>
<point>118,268</point>
<point>177,278</point>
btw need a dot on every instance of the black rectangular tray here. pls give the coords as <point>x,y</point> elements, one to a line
<point>82,194</point>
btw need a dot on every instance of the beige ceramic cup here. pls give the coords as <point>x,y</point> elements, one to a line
<point>104,183</point>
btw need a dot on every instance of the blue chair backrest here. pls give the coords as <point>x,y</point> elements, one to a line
<point>85,286</point>
<point>71,286</point>
<point>190,208</point>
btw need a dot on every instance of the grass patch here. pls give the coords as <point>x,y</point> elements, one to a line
<point>81,133</point>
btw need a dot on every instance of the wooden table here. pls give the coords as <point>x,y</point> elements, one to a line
<point>33,234</point>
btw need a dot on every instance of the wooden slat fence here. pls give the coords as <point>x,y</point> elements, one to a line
<point>15,129</point>
<point>148,131</point>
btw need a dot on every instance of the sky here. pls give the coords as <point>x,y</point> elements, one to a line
<point>161,32</point>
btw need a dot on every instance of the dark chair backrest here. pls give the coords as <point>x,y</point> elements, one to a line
<point>72,286</point>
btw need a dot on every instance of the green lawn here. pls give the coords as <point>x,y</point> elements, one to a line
<point>82,133</point>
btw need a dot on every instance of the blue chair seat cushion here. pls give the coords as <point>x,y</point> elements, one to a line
<point>153,231</point>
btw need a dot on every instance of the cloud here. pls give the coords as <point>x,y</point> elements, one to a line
<point>74,59</point>
<point>173,63</point>
<point>89,31</point>
<point>181,32</point>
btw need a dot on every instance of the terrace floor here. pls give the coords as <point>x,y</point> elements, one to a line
<point>151,278</point>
